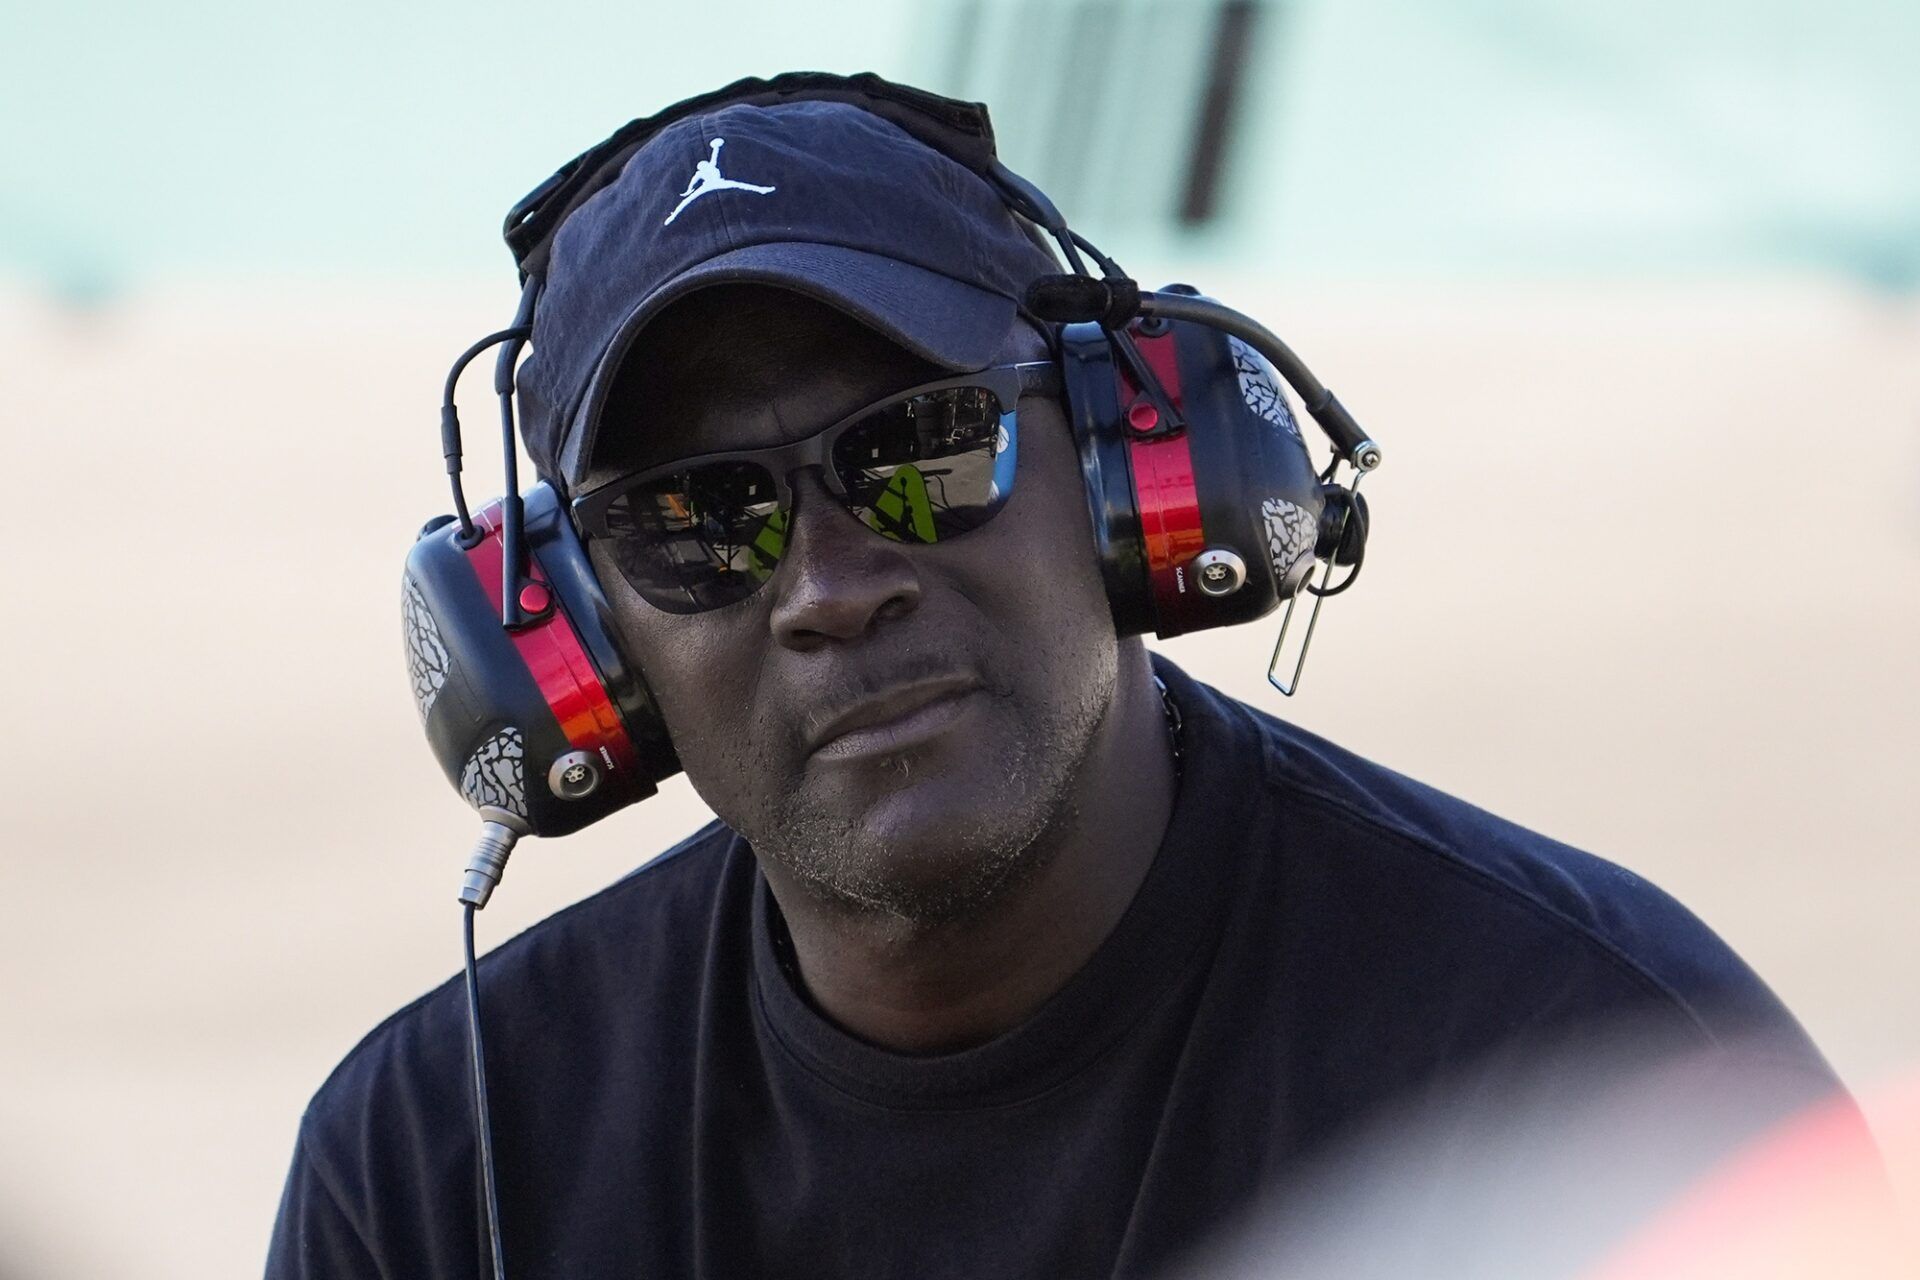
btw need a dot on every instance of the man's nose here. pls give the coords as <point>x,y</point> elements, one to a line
<point>837,578</point>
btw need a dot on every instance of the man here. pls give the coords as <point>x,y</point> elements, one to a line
<point>1015,951</point>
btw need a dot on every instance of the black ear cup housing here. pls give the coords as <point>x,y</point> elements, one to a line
<point>1206,526</point>
<point>1343,527</point>
<point>1096,411</point>
<point>547,722</point>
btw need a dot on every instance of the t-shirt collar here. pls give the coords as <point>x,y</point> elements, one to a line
<point>1163,938</point>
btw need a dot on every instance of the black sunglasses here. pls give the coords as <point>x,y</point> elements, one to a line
<point>923,465</point>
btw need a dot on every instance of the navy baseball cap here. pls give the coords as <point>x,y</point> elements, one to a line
<point>824,198</point>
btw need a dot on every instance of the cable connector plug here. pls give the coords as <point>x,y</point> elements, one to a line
<point>499,832</point>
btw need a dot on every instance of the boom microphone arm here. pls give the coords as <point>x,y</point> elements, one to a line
<point>1113,302</point>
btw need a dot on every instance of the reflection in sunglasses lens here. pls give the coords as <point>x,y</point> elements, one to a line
<point>700,538</point>
<point>921,469</point>
<point>929,467</point>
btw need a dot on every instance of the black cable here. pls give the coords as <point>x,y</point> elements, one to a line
<point>512,542</point>
<point>1344,582</point>
<point>483,1122</point>
<point>450,421</point>
<point>1175,306</point>
<point>1349,440</point>
<point>1031,203</point>
<point>513,552</point>
<point>1072,254</point>
<point>1108,267</point>
<point>509,334</point>
<point>1359,513</point>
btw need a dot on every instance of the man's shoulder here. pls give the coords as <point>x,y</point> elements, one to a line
<point>1469,884</point>
<point>639,935</point>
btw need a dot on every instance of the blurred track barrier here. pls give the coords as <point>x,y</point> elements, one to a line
<point>1810,1199</point>
<point>1612,1155</point>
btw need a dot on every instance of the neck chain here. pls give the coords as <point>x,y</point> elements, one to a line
<point>1173,726</point>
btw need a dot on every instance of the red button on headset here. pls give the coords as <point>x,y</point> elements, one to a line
<point>534,599</point>
<point>1143,416</point>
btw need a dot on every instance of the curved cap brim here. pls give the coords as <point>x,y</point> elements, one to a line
<point>953,324</point>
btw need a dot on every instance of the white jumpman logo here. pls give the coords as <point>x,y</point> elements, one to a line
<point>706,177</point>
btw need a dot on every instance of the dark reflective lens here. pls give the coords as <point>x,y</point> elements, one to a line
<point>928,467</point>
<point>700,538</point>
<point>924,468</point>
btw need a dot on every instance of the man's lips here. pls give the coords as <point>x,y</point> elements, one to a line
<point>895,718</point>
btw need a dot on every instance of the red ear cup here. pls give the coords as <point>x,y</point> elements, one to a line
<point>1204,527</point>
<point>1166,490</point>
<point>547,722</point>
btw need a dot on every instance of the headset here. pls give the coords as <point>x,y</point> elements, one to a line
<point>1206,508</point>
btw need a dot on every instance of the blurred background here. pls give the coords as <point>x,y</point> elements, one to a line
<point>1627,291</point>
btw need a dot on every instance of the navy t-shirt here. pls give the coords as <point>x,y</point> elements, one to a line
<point>1318,937</point>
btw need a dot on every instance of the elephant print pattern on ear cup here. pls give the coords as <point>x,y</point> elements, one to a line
<point>427,663</point>
<point>1291,533</point>
<point>496,774</point>
<point>1260,388</point>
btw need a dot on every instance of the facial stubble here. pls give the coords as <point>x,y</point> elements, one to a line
<point>976,857</point>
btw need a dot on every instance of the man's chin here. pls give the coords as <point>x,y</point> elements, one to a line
<point>929,889</point>
<point>926,848</point>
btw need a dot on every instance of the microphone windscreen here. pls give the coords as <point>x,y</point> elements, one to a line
<point>1067,299</point>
